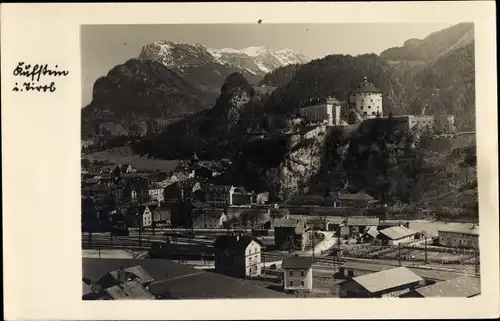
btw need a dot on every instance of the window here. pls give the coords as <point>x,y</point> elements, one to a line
<point>365,113</point>
<point>301,273</point>
<point>370,107</point>
<point>302,283</point>
<point>291,283</point>
<point>373,113</point>
<point>290,273</point>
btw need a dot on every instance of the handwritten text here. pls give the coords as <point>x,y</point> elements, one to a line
<point>33,75</point>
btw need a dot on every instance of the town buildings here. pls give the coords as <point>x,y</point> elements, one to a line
<point>297,273</point>
<point>238,256</point>
<point>219,195</point>
<point>140,216</point>
<point>289,233</point>
<point>460,237</point>
<point>387,283</point>
<point>356,225</point>
<point>172,280</point>
<point>205,219</point>
<point>162,215</point>
<point>366,99</point>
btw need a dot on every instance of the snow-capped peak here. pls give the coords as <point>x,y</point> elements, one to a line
<point>262,59</point>
<point>254,59</point>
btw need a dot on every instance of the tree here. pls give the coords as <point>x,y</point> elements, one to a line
<point>232,222</point>
<point>253,217</point>
<point>279,213</point>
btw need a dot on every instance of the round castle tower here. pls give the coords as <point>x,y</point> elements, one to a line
<point>366,99</point>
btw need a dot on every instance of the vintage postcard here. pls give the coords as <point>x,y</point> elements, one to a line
<point>237,163</point>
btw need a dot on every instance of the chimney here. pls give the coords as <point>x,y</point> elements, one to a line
<point>121,275</point>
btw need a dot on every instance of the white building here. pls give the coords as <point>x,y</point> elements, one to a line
<point>366,99</point>
<point>297,273</point>
<point>147,217</point>
<point>395,235</point>
<point>328,112</point>
<point>220,195</point>
<point>464,237</point>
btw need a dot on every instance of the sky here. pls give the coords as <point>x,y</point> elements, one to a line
<point>105,46</point>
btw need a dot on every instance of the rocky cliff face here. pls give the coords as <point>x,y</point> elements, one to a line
<point>302,162</point>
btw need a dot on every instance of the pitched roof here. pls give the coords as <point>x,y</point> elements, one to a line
<point>207,285</point>
<point>373,232</point>
<point>286,222</point>
<point>389,223</point>
<point>135,272</point>
<point>220,187</point>
<point>469,229</point>
<point>464,286</point>
<point>234,242</point>
<point>365,86</point>
<point>362,221</point>
<point>387,279</point>
<point>179,280</point>
<point>355,197</point>
<point>130,290</point>
<point>397,232</point>
<point>241,190</point>
<point>199,204</point>
<point>436,275</point>
<point>86,289</point>
<point>335,219</point>
<point>297,262</point>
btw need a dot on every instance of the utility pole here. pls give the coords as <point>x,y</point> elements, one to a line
<point>313,241</point>
<point>399,254</point>
<point>425,249</point>
<point>476,262</point>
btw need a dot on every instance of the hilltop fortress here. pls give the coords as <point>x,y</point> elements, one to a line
<point>365,104</point>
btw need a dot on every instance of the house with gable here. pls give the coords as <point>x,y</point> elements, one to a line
<point>356,225</point>
<point>140,216</point>
<point>238,255</point>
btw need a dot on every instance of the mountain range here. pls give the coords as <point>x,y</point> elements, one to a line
<point>169,81</point>
<point>209,67</point>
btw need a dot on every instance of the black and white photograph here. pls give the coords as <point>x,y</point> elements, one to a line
<point>279,160</point>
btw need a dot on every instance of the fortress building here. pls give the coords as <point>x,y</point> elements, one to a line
<point>328,112</point>
<point>366,99</point>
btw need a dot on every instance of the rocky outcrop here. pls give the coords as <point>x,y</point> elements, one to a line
<point>214,133</point>
<point>299,166</point>
<point>140,90</point>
